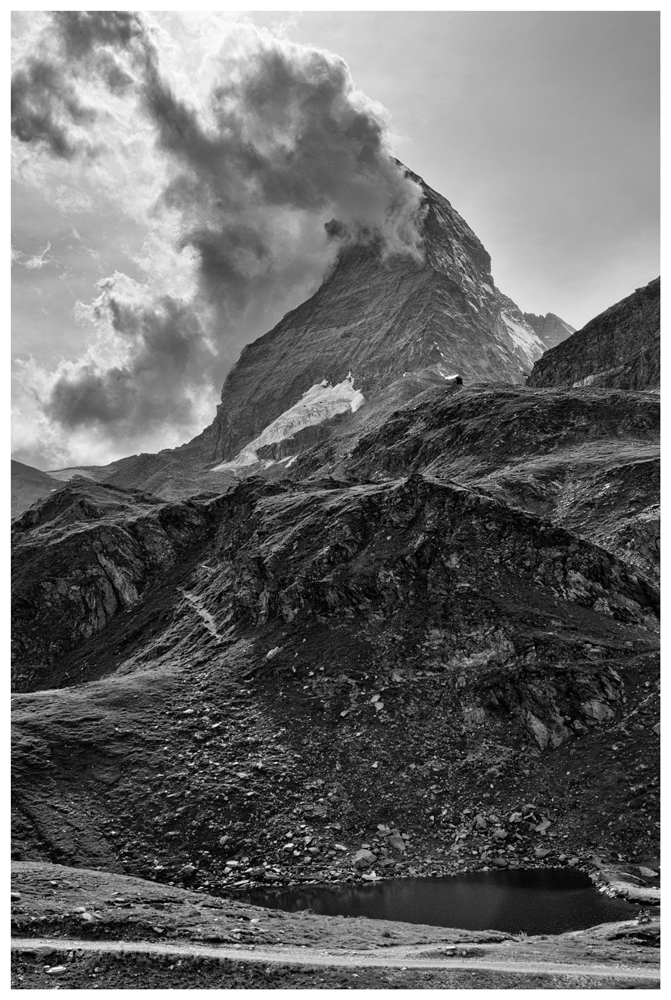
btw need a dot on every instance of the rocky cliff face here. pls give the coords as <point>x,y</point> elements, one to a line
<point>378,318</point>
<point>617,349</point>
<point>550,328</point>
<point>85,555</point>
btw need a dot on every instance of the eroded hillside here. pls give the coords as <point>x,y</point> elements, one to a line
<point>333,664</point>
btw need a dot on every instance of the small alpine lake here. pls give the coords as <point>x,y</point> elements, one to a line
<point>537,901</point>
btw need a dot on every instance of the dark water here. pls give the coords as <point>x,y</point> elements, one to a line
<point>538,901</point>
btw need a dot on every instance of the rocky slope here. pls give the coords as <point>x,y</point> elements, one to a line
<point>551,329</point>
<point>378,317</point>
<point>432,640</point>
<point>28,486</point>
<point>587,459</point>
<point>617,349</point>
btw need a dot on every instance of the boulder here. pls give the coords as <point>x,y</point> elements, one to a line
<point>364,859</point>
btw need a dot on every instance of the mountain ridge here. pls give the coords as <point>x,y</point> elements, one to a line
<point>619,348</point>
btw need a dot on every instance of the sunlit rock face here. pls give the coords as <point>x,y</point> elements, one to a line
<point>379,318</point>
<point>619,349</point>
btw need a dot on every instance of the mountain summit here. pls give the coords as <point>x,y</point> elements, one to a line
<point>379,318</point>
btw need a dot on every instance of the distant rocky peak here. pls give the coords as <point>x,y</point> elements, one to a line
<point>551,329</point>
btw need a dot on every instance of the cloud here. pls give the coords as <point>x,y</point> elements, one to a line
<point>161,353</point>
<point>46,108</point>
<point>234,155</point>
<point>37,261</point>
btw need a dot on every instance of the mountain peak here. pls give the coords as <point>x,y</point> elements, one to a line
<point>380,316</point>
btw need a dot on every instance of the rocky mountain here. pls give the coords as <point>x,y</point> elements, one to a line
<point>550,329</point>
<point>618,349</point>
<point>370,605</point>
<point>377,318</point>
<point>29,485</point>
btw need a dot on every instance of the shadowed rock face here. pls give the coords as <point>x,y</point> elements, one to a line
<point>83,556</point>
<point>378,318</point>
<point>419,549</point>
<point>617,349</point>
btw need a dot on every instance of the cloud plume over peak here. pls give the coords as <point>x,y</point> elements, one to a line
<point>234,159</point>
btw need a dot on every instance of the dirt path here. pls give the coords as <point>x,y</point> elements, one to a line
<point>401,957</point>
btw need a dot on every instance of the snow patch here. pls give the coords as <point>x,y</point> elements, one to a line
<point>318,404</point>
<point>523,337</point>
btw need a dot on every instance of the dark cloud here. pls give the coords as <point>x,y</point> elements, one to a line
<point>44,104</point>
<point>156,384</point>
<point>283,143</point>
<point>83,31</point>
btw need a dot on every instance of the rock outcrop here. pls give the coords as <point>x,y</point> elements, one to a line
<point>84,555</point>
<point>587,459</point>
<point>619,349</point>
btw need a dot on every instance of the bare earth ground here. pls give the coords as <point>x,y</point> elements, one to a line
<point>82,929</point>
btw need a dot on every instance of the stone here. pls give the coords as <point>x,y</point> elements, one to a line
<point>56,970</point>
<point>539,729</point>
<point>15,896</point>
<point>541,852</point>
<point>396,842</point>
<point>364,859</point>
<point>271,876</point>
<point>596,710</point>
<point>480,822</point>
<point>646,872</point>
<point>574,861</point>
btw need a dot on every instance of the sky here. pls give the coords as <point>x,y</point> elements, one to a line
<point>173,174</point>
